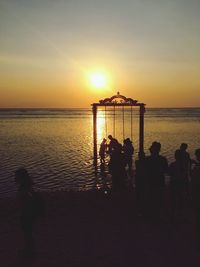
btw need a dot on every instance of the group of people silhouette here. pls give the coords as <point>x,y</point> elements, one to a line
<point>150,173</point>
<point>120,157</point>
<point>149,180</point>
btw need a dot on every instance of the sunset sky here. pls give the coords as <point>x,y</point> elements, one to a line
<point>146,49</point>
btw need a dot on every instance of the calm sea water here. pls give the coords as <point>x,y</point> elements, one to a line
<point>56,145</point>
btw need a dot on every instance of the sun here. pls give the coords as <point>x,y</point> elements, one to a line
<point>98,80</point>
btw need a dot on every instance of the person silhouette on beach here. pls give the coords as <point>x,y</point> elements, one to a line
<point>102,150</point>
<point>140,181</point>
<point>177,183</point>
<point>156,167</point>
<point>185,162</point>
<point>117,167</point>
<point>195,183</point>
<point>29,209</point>
<point>128,154</point>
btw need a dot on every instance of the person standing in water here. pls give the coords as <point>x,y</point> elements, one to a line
<point>102,150</point>
<point>113,145</point>
<point>128,154</point>
<point>185,165</point>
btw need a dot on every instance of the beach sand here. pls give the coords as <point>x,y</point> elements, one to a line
<point>98,230</point>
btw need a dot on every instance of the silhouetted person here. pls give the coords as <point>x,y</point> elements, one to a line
<point>117,168</point>
<point>140,180</point>
<point>156,167</point>
<point>113,145</point>
<point>195,182</point>
<point>128,154</point>
<point>186,165</point>
<point>177,183</point>
<point>102,150</point>
<point>30,208</point>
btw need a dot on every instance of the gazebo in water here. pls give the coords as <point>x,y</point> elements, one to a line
<point>118,100</point>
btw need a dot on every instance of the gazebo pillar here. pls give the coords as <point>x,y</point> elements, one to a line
<point>141,131</point>
<point>94,110</point>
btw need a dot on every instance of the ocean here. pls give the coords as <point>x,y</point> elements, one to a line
<point>56,145</point>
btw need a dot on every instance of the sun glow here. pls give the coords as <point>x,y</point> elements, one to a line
<point>98,80</point>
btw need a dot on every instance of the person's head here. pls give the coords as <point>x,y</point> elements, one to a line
<point>183,146</point>
<point>177,154</point>
<point>197,154</point>
<point>155,148</point>
<point>110,137</point>
<point>128,141</point>
<point>104,140</point>
<point>22,178</point>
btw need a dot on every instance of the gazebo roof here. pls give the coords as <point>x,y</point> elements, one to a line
<point>118,100</point>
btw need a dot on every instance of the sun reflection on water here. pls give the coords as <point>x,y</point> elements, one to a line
<point>101,128</point>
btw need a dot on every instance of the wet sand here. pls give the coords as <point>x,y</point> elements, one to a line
<point>99,230</point>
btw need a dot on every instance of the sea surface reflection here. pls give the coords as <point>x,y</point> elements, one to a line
<point>56,145</point>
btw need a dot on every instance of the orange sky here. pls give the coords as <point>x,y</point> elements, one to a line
<point>149,52</point>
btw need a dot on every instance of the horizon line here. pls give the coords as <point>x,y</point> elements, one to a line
<point>189,107</point>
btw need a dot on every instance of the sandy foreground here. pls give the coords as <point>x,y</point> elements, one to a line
<point>95,229</point>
